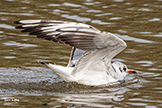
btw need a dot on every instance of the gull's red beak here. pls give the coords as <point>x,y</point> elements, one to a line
<point>132,72</point>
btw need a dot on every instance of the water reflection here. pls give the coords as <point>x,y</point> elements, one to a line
<point>109,99</point>
<point>76,17</point>
<point>13,43</point>
<point>53,91</point>
<point>128,38</point>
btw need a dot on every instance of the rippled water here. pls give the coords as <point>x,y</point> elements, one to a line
<point>26,83</point>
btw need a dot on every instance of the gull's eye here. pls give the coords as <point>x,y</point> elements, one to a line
<point>124,69</point>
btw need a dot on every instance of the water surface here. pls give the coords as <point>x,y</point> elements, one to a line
<point>26,83</point>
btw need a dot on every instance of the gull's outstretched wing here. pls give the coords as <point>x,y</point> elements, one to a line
<point>70,33</point>
<point>99,46</point>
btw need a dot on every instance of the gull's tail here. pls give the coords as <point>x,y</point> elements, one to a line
<point>43,62</point>
<point>62,71</point>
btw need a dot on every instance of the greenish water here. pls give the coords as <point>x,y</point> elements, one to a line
<point>26,83</point>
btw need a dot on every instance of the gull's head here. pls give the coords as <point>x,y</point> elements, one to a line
<point>121,70</point>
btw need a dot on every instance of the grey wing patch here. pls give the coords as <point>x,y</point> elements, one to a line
<point>74,57</point>
<point>74,34</point>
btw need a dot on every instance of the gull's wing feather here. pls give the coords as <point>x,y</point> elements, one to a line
<point>74,57</point>
<point>74,34</point>
<point>99,59</point>
<point>100,46</point>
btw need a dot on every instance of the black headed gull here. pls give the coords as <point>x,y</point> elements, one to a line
<point>93,50</point>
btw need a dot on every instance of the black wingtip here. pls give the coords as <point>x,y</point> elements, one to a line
<point>17,22</point>
<point>43,62</point>
<point>25,30</point>
<point>19,27</point>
